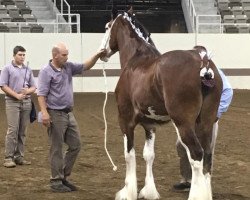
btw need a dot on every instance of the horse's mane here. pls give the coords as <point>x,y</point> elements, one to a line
<point>141,31</point>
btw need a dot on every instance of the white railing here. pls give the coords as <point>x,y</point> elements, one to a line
<point>192,13</point>
<point>68,14</point>
<point>70,23</point>
<point>206,21</point>
<point>198,22</point>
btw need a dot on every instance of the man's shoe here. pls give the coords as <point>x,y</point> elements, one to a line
<point>9,163</point>
<point>69,185</point>
<point>182,187</point>
<point>21,161</point>
<point>57,186</point>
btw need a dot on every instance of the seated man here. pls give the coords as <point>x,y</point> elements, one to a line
<point>185,169</point>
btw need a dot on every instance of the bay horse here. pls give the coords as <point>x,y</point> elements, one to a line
<point>181,86</point>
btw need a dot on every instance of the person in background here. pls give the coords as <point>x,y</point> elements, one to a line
<point>17,82</point>
<point>185,168</point>
<point>55,98</point>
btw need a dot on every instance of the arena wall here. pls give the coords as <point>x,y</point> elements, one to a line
<point>230,53</point>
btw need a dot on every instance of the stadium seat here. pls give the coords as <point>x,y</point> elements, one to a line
<point>229,19</point>
<point>13,10</point>
<point>8,2</point>
<point>13,28</point>
<point>233,3</point>
<point>247,12</point>
<point>223,4</point>
<point>36,28</point>
<point>29,18</point>
<point>25,28</point>
<point>5,18</point>
<point>241,19</point>
<point>237,10</point>
<point>24,9</point>
<point>3,9</point>
<point>245,3</point>
<point>243,28</point>
<point>3,28</point>
<point>20,2</point>
<point>230,26</point>
<point>225,11</point>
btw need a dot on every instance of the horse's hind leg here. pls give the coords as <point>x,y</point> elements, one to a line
<point>129,191</point>
<point>199,185</point>
<point>149,190</point>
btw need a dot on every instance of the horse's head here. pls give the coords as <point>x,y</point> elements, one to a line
<point>107,42</point>
<point>116,26</point>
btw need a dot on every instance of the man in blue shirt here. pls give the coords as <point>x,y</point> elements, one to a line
<point>185,168</point>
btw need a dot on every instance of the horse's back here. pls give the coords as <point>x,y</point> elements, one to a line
<point>179,74</point>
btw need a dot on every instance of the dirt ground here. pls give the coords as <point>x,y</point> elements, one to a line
<point>93,172</point>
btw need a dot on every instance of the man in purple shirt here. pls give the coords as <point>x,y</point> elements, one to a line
<point>55,97</point>
<point>18,83</point>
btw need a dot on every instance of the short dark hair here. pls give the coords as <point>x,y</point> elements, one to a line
<point>18,48</point>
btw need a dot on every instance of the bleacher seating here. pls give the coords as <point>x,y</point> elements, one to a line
<point>5,18</point>
<point>29,18</point>
<point>13,14</point>
<point>3,9</point>
<point>235,16</point>
<point>3,28</point>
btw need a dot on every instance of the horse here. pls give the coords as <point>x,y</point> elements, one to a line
<point>180,86</point>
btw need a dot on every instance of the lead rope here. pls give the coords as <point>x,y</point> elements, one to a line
<point>104,117</point>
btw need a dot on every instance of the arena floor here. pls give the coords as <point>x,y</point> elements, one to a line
<point>93,172</point>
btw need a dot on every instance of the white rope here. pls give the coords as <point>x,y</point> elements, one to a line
<point>104,118</point>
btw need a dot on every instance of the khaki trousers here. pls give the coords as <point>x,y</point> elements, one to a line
<point>18,116</point>
<point>63,129</point>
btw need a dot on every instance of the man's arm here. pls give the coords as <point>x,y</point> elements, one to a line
<point>45,115</point>
<point>88,64</point>
<point>30,90</point>
<point>12,93</point>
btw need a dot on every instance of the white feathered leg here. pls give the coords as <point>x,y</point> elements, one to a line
<point>129,191</point>
<point>200,184</point>
<point>149,190</point>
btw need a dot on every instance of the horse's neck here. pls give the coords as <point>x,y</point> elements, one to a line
<point>134,52</point>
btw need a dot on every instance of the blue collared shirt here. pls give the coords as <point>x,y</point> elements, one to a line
<point>226,96</point>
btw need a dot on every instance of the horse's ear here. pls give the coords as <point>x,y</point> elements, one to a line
<point>130,10</point>
<point>114,12</point>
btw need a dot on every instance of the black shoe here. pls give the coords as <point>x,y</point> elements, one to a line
<point>182,187</point>
<point>58,186</point>
<point>69,185</point>
<point>20,161</point>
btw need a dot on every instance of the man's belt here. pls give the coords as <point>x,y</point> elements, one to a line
<point>65,110</point>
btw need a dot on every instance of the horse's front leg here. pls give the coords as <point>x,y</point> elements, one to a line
<point>149,190</point>
<point>129,191</point>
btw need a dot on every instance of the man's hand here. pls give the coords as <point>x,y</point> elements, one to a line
<point>101,53</point>
<point>20,96</point>
<point>46,119</point>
